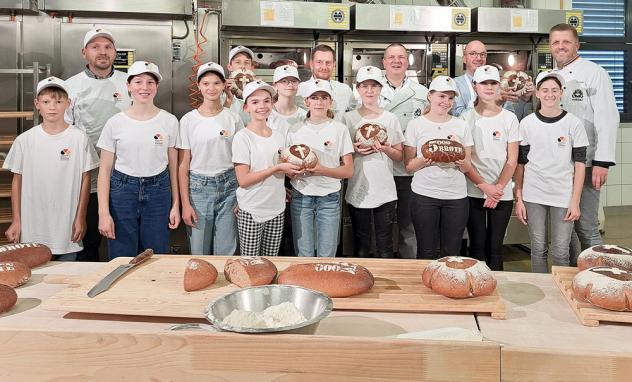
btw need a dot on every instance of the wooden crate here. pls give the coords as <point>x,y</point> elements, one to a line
<point>587,313</point>
<point>156,289</point>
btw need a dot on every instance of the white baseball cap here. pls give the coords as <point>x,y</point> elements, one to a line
<point>443,84</point>
<point>369,72</point>
<point>253,86</point>
<point>317,85</point>
<point>140,67</point>
<point>240,49</point>
<point>210,67</point>
<point>284,71</point>
<point>486,73</point>
<point>51,82</point>
<point>97,32</point>
<point>549,74</point>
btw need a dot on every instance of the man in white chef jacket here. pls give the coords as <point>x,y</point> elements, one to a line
<point>474,56</point>
<point>323,66</point>
<point>97,93</point>
<point>588,94</point>
<point>406,98</point>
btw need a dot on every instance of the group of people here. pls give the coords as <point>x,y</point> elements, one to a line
<point>218,169</point>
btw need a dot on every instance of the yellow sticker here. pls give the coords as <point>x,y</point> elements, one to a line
<point>398,18</point>
<point>461,19</point>
<point>576,20</point>
<point>516,21</point>
<point>268,14</point>
<point>338,16</point>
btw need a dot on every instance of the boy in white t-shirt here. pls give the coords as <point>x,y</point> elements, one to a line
<point>371,193</point>
<point>239,58</point>
<point>316,195</point>
<point>261,192</point>
<point>51,166</point>
<point>550,174</point>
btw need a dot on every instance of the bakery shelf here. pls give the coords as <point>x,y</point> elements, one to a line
<point>17,114</point>
<point>5,215</point>
<point>6,140</point>
<point>5,190</point>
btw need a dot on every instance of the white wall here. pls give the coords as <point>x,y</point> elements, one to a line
<point>618,190</point>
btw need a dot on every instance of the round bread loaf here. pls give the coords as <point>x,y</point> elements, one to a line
<point>247,271</point>
<point>334,279</point>
<point>459,277</point>
<point>31,254</point>
<point>443,150</point>
<point>300,155</point>
<point>515,81</point>
<point>605,255</point>
<point>8,298</point>
<point>199,274</point>
<point>14,273</point>
<point>370,133</point>
<point>240,78</point>
<point>605,287</point>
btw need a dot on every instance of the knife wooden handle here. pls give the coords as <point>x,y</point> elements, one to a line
<point>62,279</point>
<point>141,258</point>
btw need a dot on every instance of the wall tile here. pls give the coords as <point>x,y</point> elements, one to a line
<point>626,135</point>
<point>626,195</point>
<point>626,153</point>
<point>614,175</point>
<point>618,153</point>
<point>613,196</point>
<point>626,173</point>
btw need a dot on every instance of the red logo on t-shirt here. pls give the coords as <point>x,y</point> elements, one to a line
<point>64,154</point>
<point>158,139</point>
<point>561,141</point>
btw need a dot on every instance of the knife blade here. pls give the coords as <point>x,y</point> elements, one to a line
<point>117,273</point>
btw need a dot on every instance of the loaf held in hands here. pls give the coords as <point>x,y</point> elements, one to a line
<point>443,150</point>
<point>199,274</point>
<point>459,277</point>
<point>240,78</point>
<point>334,279</point>
<point>247,271</point>
<point>300,155</point>
<point>369,134</point>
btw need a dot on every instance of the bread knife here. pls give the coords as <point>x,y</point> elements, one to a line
<point>116,274</point>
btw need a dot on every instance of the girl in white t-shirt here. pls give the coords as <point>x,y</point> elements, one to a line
<point>439,205</point>
<point>371,194</point>
<point>494,160</point>
<point>206,172</point>
<point>550,173</point>
<point>261,192</point>
<point>316,194</point>
<point>138,199</point>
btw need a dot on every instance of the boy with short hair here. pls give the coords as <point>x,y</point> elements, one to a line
<point>239,58</point>
<point>51,166</point>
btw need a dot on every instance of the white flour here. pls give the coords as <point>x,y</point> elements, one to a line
<point>276,316</point>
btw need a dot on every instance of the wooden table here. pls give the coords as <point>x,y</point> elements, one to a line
<point>542,339</point>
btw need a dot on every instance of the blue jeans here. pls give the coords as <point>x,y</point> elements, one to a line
<point>324,212</point>
<point>72,256</point>
<point>213,199</point>
<point>560,236</point>
<point>140,210</point>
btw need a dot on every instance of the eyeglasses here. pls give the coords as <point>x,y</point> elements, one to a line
<point>475,54</point>
<point>286,82</point>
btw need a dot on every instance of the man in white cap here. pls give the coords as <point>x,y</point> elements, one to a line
<point>588,94</point>
<point>98,92</point>
<point>406,99</point>
<point>323,65</point>
<point>475,55</point>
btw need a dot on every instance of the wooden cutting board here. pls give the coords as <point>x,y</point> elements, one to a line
<point>156,289</point>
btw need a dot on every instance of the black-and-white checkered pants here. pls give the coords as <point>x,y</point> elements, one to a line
<point>259,239</point>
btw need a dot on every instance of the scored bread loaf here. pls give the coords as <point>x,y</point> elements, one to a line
<point>333,279</point>
<point>370,133</point>
<point>14,273</point>
<point>240,78</point>
<point>8,298</point>
<point>247,271</point>
<point>605,287</point>
<point>605,255</point>
<point>199,274</point>
<point>300,155</point>
<point>459,277</point>
<point>443,150</point>
<point>31,254</point>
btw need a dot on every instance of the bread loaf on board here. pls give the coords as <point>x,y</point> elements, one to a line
<point>605,287</point>
<point>334,279</point>
<point>8,298</point>
<point>247,271</point>
<point>31,254</point>
<point>199,274</point>
<point>605,255</point>
<point>14,273</point>
<point>459,277</point>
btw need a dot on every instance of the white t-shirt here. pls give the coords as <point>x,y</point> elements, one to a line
<point>237,108</point>
<point>439,182</point>
<point>51,168</point>
<point>330,141</point>
<point>282,123</point>
<point>266,199</point>
<point>93,102</point>
<point>140,147</point>
<point>491,135</point>
<point>372,183</point>
<point>548,177</point>
<point>210,140</point>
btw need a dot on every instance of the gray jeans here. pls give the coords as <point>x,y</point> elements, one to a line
<point>560,236</point>
<point>586,233</point>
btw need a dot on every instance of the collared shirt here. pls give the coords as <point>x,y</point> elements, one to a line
<point>91,74</point>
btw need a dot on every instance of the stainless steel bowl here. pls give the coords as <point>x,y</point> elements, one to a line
<point>314,305</point>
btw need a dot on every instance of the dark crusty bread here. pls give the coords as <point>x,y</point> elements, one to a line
<point>14,273</point>
<point>334,279</point>
<point>8,298</point>
<point>443,150</point>
<point>247,271</point>
<point>199,274</point>
<point>31,254</point>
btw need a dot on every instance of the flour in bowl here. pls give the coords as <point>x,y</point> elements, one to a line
<point>275,316</point>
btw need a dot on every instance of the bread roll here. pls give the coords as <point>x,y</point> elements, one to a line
<point>8,298</point>
<point>515,81</point>
<point>459,277</point>
<point>370,133</point>
<point>605,255</point>
<point>443,150</point>
<point>240,78</point>
<point>247,271</point>
<point>605,287</point>
<point>334,279</point>
<point>199,274</point>
<point>31,254</point>
<point>14,273</point>
<point>300,155</point>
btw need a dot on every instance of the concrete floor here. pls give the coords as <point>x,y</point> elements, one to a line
<point>618,230</point>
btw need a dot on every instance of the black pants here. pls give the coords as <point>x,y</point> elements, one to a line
<point>486,229</point>
<point>438,221</point>
<point>383,218</point>
<point>92,239</point>
<point>407,242</point>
